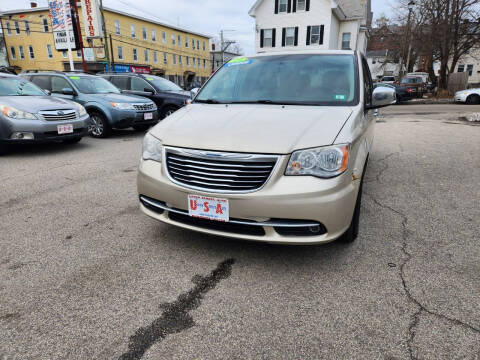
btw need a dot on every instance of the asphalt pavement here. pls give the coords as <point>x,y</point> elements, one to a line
<point>85,275</point>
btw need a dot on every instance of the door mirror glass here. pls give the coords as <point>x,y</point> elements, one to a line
<point>383,96</point>
<point>148,90</point>
<point>48,92</point>
<point>67,91</point>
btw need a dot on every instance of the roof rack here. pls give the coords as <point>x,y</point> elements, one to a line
<point>118,72</point>
<point>34,71</point>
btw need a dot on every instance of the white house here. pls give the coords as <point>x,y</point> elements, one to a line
<point>311,24</point>
<point>381,64</point>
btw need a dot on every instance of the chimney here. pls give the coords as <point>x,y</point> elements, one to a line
<point>33,5</point>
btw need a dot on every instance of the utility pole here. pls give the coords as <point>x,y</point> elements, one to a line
<point>411,4</point>
<point>67,31</point>
<point>224,44</point>
<point>79,31</point>
<point>111,50</point>
<point>107,54</point>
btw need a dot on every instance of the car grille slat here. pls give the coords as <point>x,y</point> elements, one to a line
<point>143,107</point>
<point>218,171</point>
<point>59,115</point>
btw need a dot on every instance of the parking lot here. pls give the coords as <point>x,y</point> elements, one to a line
<point>84,275</point>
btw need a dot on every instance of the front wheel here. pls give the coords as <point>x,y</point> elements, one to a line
<point>99,126</point>
<point>3,149</point>
<point>473,99</point>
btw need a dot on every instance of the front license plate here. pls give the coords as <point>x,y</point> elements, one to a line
<point>208,208</point>
<point>65,129</point>
<point>148,116</point>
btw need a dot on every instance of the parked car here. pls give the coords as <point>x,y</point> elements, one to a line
<point>415,83</point>
<point>470,96</point>
<point>403,93</point>
<point>388,80</point>
<point>108,108</point>
<point>28,115</point>
<point>426,79</point>
<point>165,94</point>
<point>274,148</point>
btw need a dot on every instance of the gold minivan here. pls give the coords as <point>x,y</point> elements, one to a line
<point>273,148</point>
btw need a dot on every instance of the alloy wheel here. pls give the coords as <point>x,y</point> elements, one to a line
<point>96,125</point>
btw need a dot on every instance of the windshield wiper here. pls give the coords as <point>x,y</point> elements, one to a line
<point>209,101</point>
<point>262,102</point>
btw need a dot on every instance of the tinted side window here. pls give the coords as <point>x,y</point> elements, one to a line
<point>59,83</point>
<point>367,79</point>
<point>139,84</point>
<point>42,82</point>
<point>120,81</point>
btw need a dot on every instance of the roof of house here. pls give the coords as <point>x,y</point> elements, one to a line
<point>38,9</point>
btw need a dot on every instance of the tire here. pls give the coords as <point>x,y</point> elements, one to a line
<point>167,111</point>
<point>141,127</point>
<point>473,99</point>
<point>73,140</point>
<point>3,149</point>
<point>99,126</point>
<point>352,232</point>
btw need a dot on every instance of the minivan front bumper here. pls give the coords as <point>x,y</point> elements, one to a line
<point>287,210</point>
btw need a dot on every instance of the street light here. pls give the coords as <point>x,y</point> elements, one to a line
<point>411,5</point>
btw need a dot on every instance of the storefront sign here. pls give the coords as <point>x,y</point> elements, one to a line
<point>140,69</point>
<point>119,68</point>
<point>58,26</point>
<point>91,18</point>
<point>88,54</point>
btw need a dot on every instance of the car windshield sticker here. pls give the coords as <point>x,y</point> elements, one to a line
<point>340,97</point>
<point>239,61</point>
<point>150,79</point>
<point>75,77</point>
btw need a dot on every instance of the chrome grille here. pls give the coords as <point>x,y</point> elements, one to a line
<point>218,171</point>
<point>143,107</point>
<point>59,115</point>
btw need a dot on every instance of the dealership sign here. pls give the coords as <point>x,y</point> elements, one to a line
<point>91,18</point>
<point>59,27</point>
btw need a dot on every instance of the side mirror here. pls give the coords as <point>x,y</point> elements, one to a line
<point>383,96</point>
<point>68,91</point>
<point>149,90</point>
<point>48,92</point>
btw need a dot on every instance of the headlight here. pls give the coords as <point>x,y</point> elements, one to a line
<point>325,162</point>
<point>81,110</point>
<point>13,113</point>
<point>122,106</point>
<point>152,148</point>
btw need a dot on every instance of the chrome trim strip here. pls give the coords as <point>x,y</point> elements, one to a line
<point>220,165</point>
<point>213,181</point>
<point>239,222</point>
<point>220,170</point>
<point>219,155</point>
<point>219,175</point>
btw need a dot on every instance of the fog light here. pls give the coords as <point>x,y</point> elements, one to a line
<point>22,136</point>
<point>314,229</point>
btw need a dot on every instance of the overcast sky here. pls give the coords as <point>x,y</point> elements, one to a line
<point>205,16</point>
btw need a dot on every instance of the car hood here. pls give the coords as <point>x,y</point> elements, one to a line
<point>121,98</point>
<point>273,129</point>
<point>469,91</point>
<point>34,104</point>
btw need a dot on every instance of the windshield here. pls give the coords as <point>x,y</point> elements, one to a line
<point>163,84</point>
<point>411,80</point>
<point>94,85</point>
<point>12,86</point>
<point>289,79</point>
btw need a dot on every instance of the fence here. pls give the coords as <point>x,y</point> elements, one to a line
<point>457,82</point>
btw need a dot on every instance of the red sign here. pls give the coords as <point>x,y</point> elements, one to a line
<point>140,69</point>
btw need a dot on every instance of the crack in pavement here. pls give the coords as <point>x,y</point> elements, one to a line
<point>420,307</point>
<point>385,168</point>
<point>175,317</point>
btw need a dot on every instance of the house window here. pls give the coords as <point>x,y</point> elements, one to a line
<point>193,44</point>
<point>49,51</point>
<point>30,52</point>
<point>300,5</point>
<point>45,25</point>
<point>135,55</point>
<point>470,70</point>
<point>146,55</point>
<point>180,60</point>
<point>20,51</point>
<point>27,27</point>
<point>179,40</point>
<point>289,36</point>
<point>117,27</point>
<point>12,51</point>
<point>346,41</point>
<point>198,44</point>
<point>282,6</point>
<point>17,27</point>
<point>154,35</point>
<point>155,57</point>
<point>204,63</point>
<point>132,31</point>
<point>165,58</point>
<point>144,33</point>
<point>64,54</point>
<point>174,59</point>
<point>120,53</point>
<point>9,31</point>
<point>316,35</point>
<point>164,37</point>
<point>79,54</point>
<point>173,39</point>
<point>188,61</point>
<point>267,38</point>
<point>461,68</point>
<point>203,46</point>
<point>186,41</point>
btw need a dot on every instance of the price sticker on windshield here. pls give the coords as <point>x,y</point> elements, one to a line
<point>239,61</point>
<point>340,97</point>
